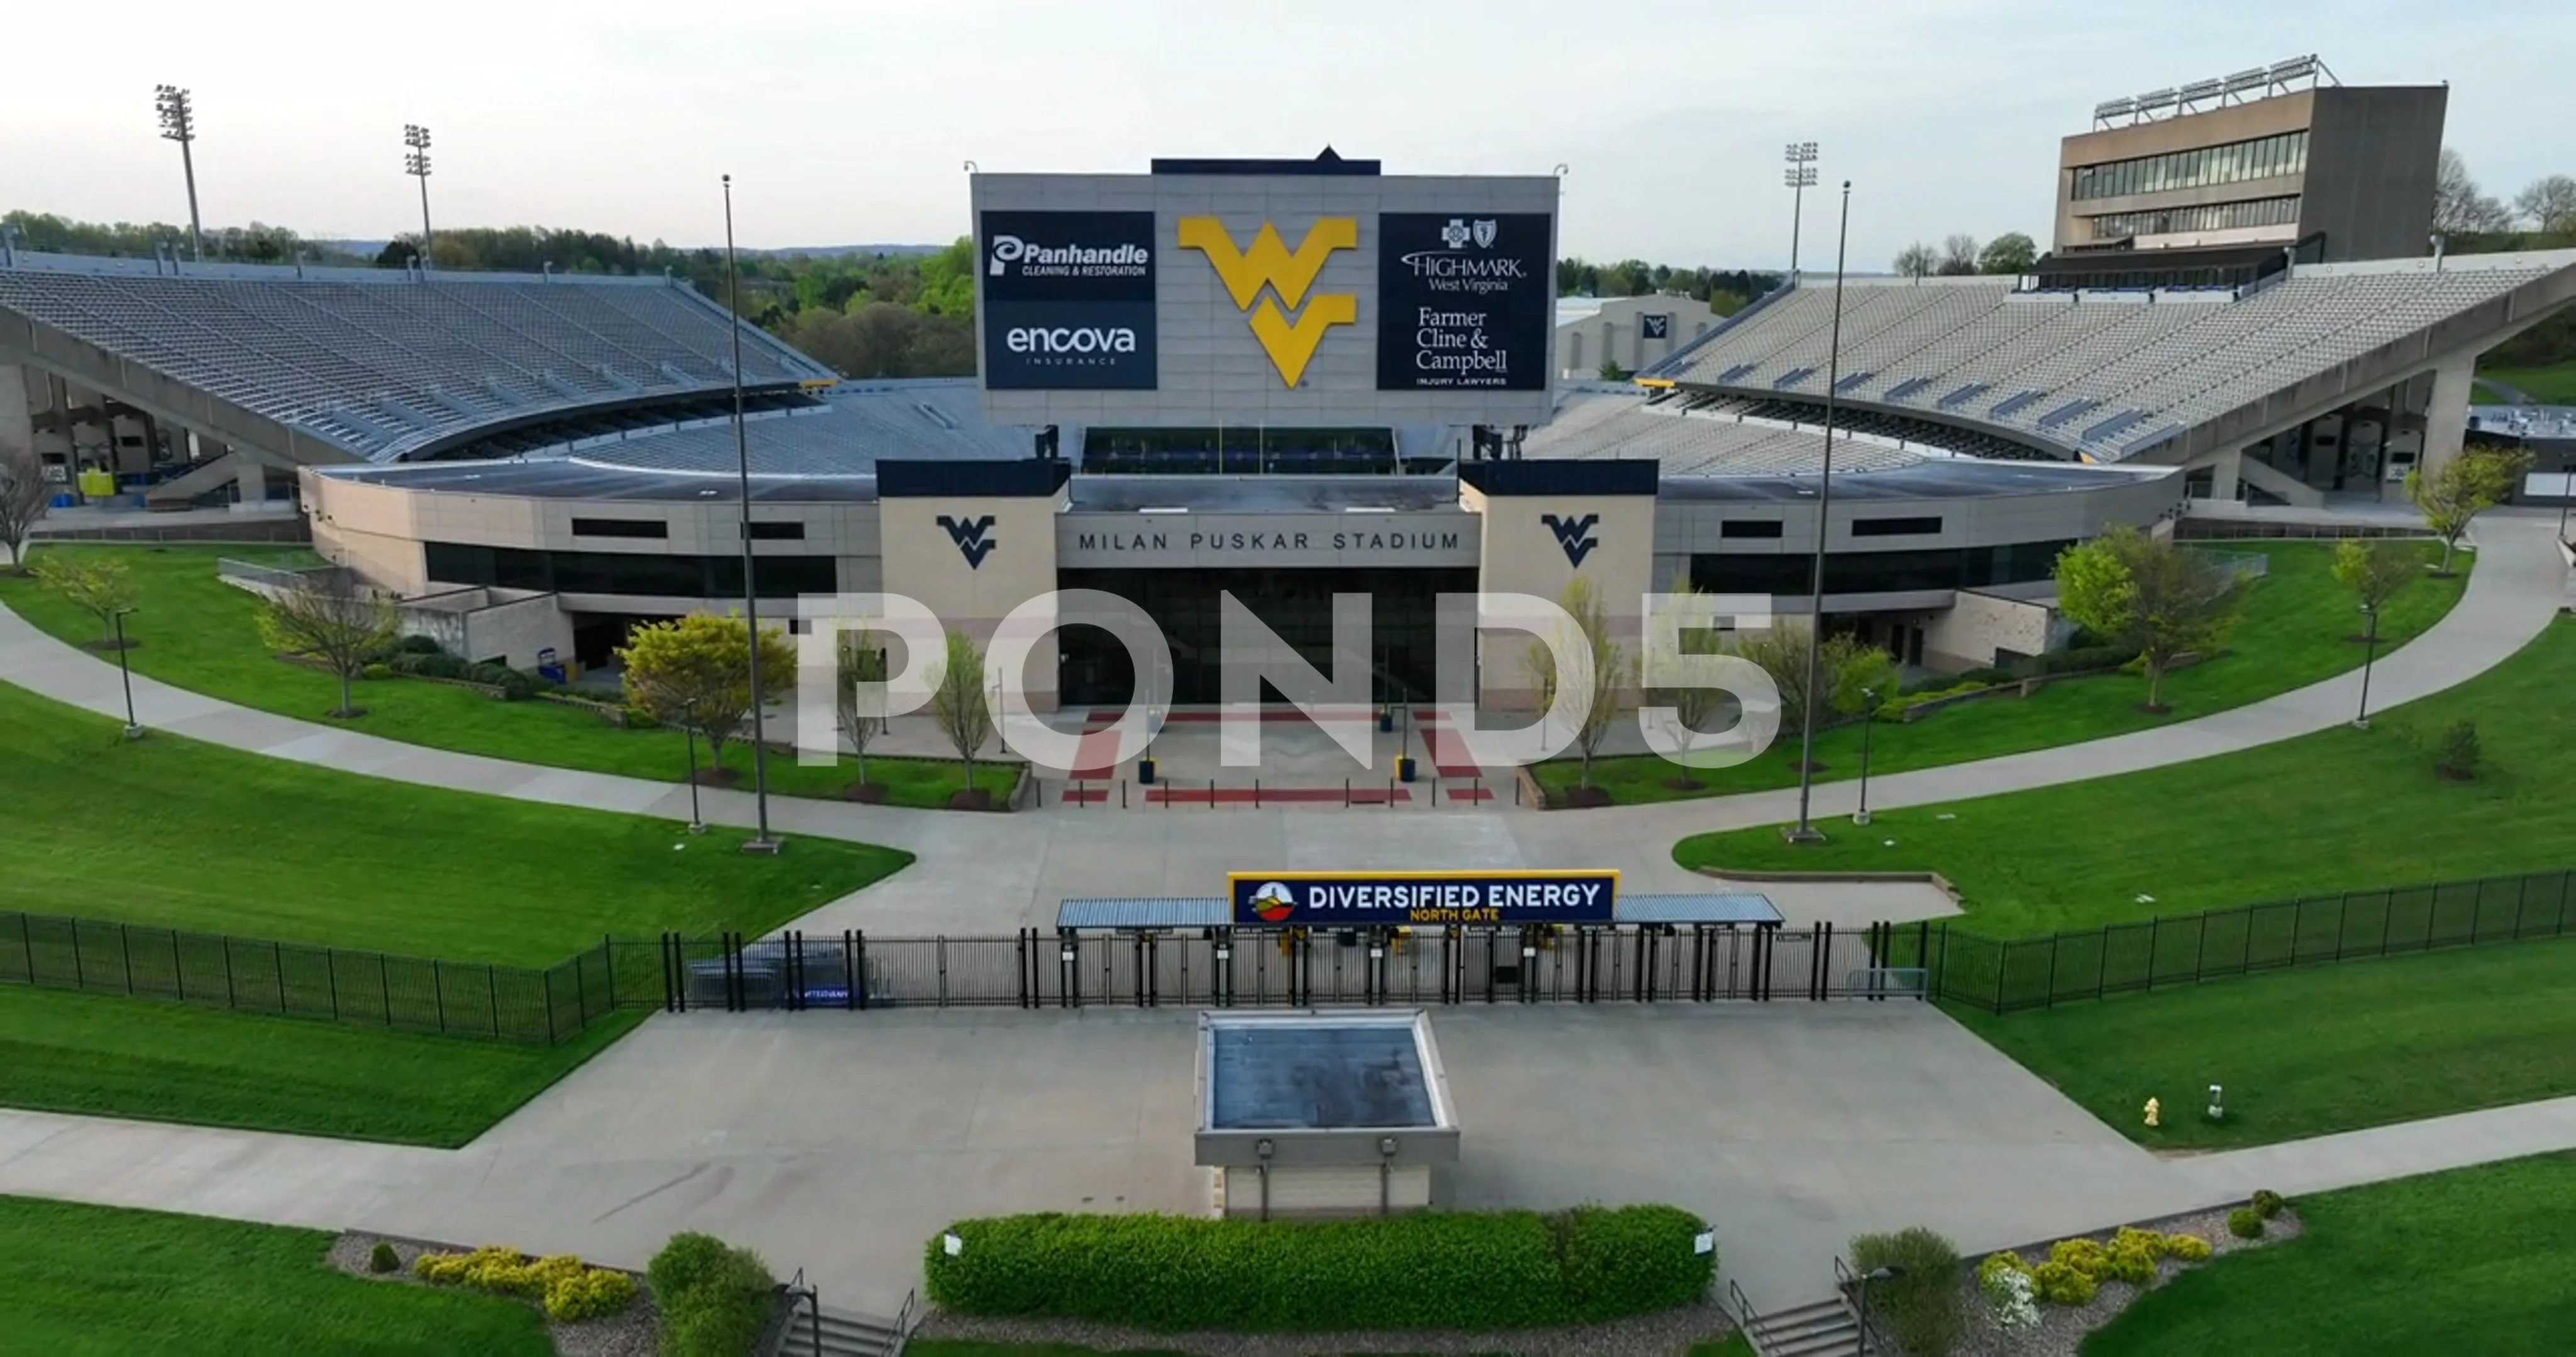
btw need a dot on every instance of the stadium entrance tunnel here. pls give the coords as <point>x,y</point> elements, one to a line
<point>1296,604</point>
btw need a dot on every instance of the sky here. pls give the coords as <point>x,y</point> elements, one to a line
<point>853,122</point>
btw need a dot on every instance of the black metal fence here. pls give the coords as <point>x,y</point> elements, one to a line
<point>2002,977</point>
<point>508,1003</point>
<point>1292,967</point>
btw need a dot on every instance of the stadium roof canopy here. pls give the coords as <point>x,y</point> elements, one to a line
<point>330,365</point>
<point>2116,375</point>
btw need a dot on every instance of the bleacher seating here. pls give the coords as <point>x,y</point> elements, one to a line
<point>1690,443</point>
<point>387,366</point>
<point>2098,373</point>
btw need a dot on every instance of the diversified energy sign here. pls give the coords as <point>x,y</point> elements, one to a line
<point>1363,899</point>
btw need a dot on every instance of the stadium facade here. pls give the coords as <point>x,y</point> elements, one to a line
<point>1279,381</point>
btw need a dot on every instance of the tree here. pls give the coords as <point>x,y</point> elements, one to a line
<point>2144,592</point>
<point>695,672</point>
<point>2375,569</point>
<point>2012,252</point>
<point>1692,707</point>
<point>101,587</point>
<point>332,618</point>
<point>24,497</point>
<point>860,658</point>
<point>2549,204</point>
<point>1917,261</point>
<point>1958,254</point>
<point>1845,667</point>
<point>1613,668</point>
<point>2476,480</point>
<point>2458,207</point>
<point>959,704</point>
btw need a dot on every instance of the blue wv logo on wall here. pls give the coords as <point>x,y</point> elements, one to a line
<point>971,538</point>
<point>1573,534</point>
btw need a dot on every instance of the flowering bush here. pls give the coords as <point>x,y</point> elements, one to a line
<point>568,1288</point>
<point>2012,1298</point>
<point>2060,1284</point>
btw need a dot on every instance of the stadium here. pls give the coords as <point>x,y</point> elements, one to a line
<point>1283,380</point>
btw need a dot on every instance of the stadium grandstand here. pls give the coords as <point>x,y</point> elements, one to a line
<point>2239,383</point>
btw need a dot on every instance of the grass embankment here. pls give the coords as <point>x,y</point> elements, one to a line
<point>2471,1261</point>
<point>2296,631</point>
<point>2337,810</point>
<point>193,631</point>
<point>95,1281</point>
<point>2552,385</point>
<point>2348,1046</point>
<point>168,832</point>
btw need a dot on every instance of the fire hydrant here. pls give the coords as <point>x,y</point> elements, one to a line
<point>2155,1112</point>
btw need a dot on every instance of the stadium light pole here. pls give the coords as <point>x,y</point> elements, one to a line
<point>416,164</point>
<point>179,123</point>
<point>1805,831</point>
<point>1799,177</point>
<point>760,841</point>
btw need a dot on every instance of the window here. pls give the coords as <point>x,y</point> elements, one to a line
<point>1894,527</point>
<point>1749,527</point>
<point>2261,158</point>
<point>620,527</point>
<point>2212,217</point>
<point>626,572</point>
<point>777,532</point>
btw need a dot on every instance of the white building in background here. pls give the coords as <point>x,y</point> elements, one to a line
<point>1634,332</point>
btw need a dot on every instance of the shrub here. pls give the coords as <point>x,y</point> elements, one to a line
<point>1921,1306</point>
<point>1996,1264</point>
<point>715,1299</point>
<point>1177,1272</point>
<point>2012,1298</point>
<point>2060,1284</point>
<point>382,1259</point>
<point>430,666</point>
<point>2459,754</point>
<point>2081,658</point>
<point>2083,1255</point>
<point>416,645</point>
<point>2245,1223</point>
<point>2133,1261</point>
<point>377,671</point>
<point>639,719</point>
<point>1987,676</point>
<point>1894,708</point>
<point>2268,1203</point>
<point>564,1286</point>
<point>2189,1248</point>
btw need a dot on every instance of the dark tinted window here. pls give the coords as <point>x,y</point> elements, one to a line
<point>1894,527</point>
<point>620,527</point>
<point>1750,527</point>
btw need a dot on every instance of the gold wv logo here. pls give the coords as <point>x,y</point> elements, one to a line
<point>1269,263</point>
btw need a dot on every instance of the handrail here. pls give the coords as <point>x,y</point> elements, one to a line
<point>1744,1317</point>
<point>904,1320</point>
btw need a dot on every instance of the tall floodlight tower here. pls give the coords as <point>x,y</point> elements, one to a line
<point>1799,177</point>
<point>179,123</point>
<point>416,164</point>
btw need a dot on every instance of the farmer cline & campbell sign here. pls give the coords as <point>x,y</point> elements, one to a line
<point>1464,301</point>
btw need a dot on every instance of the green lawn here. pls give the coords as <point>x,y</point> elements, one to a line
<point>110,1056</point>
<point>2474,1261</point>
<point>169,832</point>
<point>2552,385</point>
<point>2337,810</point>
<point>2295,632</point>
<point>196,632</point>
<point>94,1281</point>
<point>2362,1043</point>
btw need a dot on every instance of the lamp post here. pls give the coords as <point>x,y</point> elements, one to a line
<point>125,673</point>
<point>1805,830</point>
<point>2370,651</point>
<point>1868,719</point>
<point>179,123</point>
<point>697,822</point>
<point>416,164</point>
<point>760,841</point>
<point>1798,177</point>
<point>1877,1274</point>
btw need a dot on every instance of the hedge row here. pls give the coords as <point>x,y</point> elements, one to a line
<point>1431,1270</point>
<point>716,1300</point>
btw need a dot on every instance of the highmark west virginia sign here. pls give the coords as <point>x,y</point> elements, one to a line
<point>1365,899</point>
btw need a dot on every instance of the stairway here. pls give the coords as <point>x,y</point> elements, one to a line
<point>833,1333</point>
<point>1824,1329</point>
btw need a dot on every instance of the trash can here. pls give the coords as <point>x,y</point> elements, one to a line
<point>1145,771</point>
<point>1385,720</point>
<point>1404,768</point>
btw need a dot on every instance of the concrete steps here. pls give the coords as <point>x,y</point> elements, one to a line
<point>1824,1329</point>
<point>833,1333</point>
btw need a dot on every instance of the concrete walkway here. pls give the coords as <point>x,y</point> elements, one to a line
<point>998,873</point>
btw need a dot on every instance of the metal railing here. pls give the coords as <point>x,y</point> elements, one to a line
<point>1267,967</point>
<point>904,1321</point>
<point>1198,793</point>
<point>375,989</point>
<point>2003,976</point>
